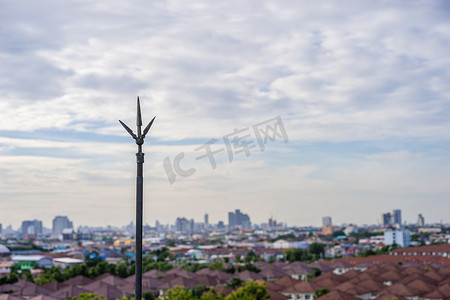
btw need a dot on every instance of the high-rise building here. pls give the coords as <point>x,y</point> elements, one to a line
<point>399,237</point>
<point>272,223</point>
<point>31,227</point>
<point>420,221</point>
<point>220,225</point>
<point>184,225</point>
<point>206,221</point>
<point>60,223</point>
<point>386,219</point>
<point>238,219</point>
<point>0,228</point>
<point>326,221</point>
<point>231,220</point>
<point>397,217</point>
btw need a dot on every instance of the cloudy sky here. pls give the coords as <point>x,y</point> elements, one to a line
<point>350,98</point>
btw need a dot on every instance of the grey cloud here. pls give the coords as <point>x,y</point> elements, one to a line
<point>125,84</point>
<point>30,77</point>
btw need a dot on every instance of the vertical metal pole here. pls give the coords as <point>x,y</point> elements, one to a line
<point>139,205</point>
<point>139,137</point>
<point>139,200</point>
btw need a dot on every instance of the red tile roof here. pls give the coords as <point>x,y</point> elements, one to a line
<point>247,275</point>
<point>43,297</point>
<point>286,281</point>
<point>68,292</point>
<point>337,295</point>
<point>402,290</point>
<point>9,297</point>
<point>389,296</point>
<point>79,280</point>
<point>304,287</point>
<point>445,289</point>
<point>422,286</point>
<point>390,276</point>
<point>427,248</point>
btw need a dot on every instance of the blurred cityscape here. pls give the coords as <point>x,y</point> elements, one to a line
<point>239,231</point>
<point>292,262</point>
<point>41,256</point>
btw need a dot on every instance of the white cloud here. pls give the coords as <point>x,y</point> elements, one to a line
<point>336,72</point>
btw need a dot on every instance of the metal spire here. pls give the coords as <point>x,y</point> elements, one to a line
<point>139,138</point>
<point>138,118</point>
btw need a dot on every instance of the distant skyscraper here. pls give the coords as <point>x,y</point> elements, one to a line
<point>1,228</point>
<point>206,221</point>
<point>386,219</point>
<point>272,223</point>
<point>326,221</point>
<point>238,219</point>
<point>231,220</point>
<point>220,225</point>
<point>31,227</point>
<point>184,225</point>
<point>397,217</point>
<point>60,223</point>
<point>420,221</point>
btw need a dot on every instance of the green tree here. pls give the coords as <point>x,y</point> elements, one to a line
<point>148,295</point>
<point>76,270</point>
<point>394,246</point>
<point>317,249</point>
<point>250,257</point>
<point>57,274</point>
<point>162,254</point>
<point>27,275</point>
<point>12,278</point>
<point>100,268</point>
<point>237,258</point>
<point>230,269</point>
<point>198,291</point>
<point>294,255</point>
<point>251,290</point>
<point>178,293</point>
<point>368,252</point>
<point>216,265</point>
<point>122,270</point>
<point>317,271</point>
<point>193,267</point>
<point>212,295</point>
<point>320,292</point>
<point>92,259</point>
<point>235,282</point>
<point>251,268</point>
<point>131,269</point>
<point>111,269</point>
<point>88,296</point>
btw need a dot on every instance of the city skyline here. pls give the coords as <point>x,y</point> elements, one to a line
<point>358,111</point>
<point>324,221</point>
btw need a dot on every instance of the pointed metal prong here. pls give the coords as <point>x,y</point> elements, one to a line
<point>128,129</point>
<point>139,118</point>
<point>148,127</point>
